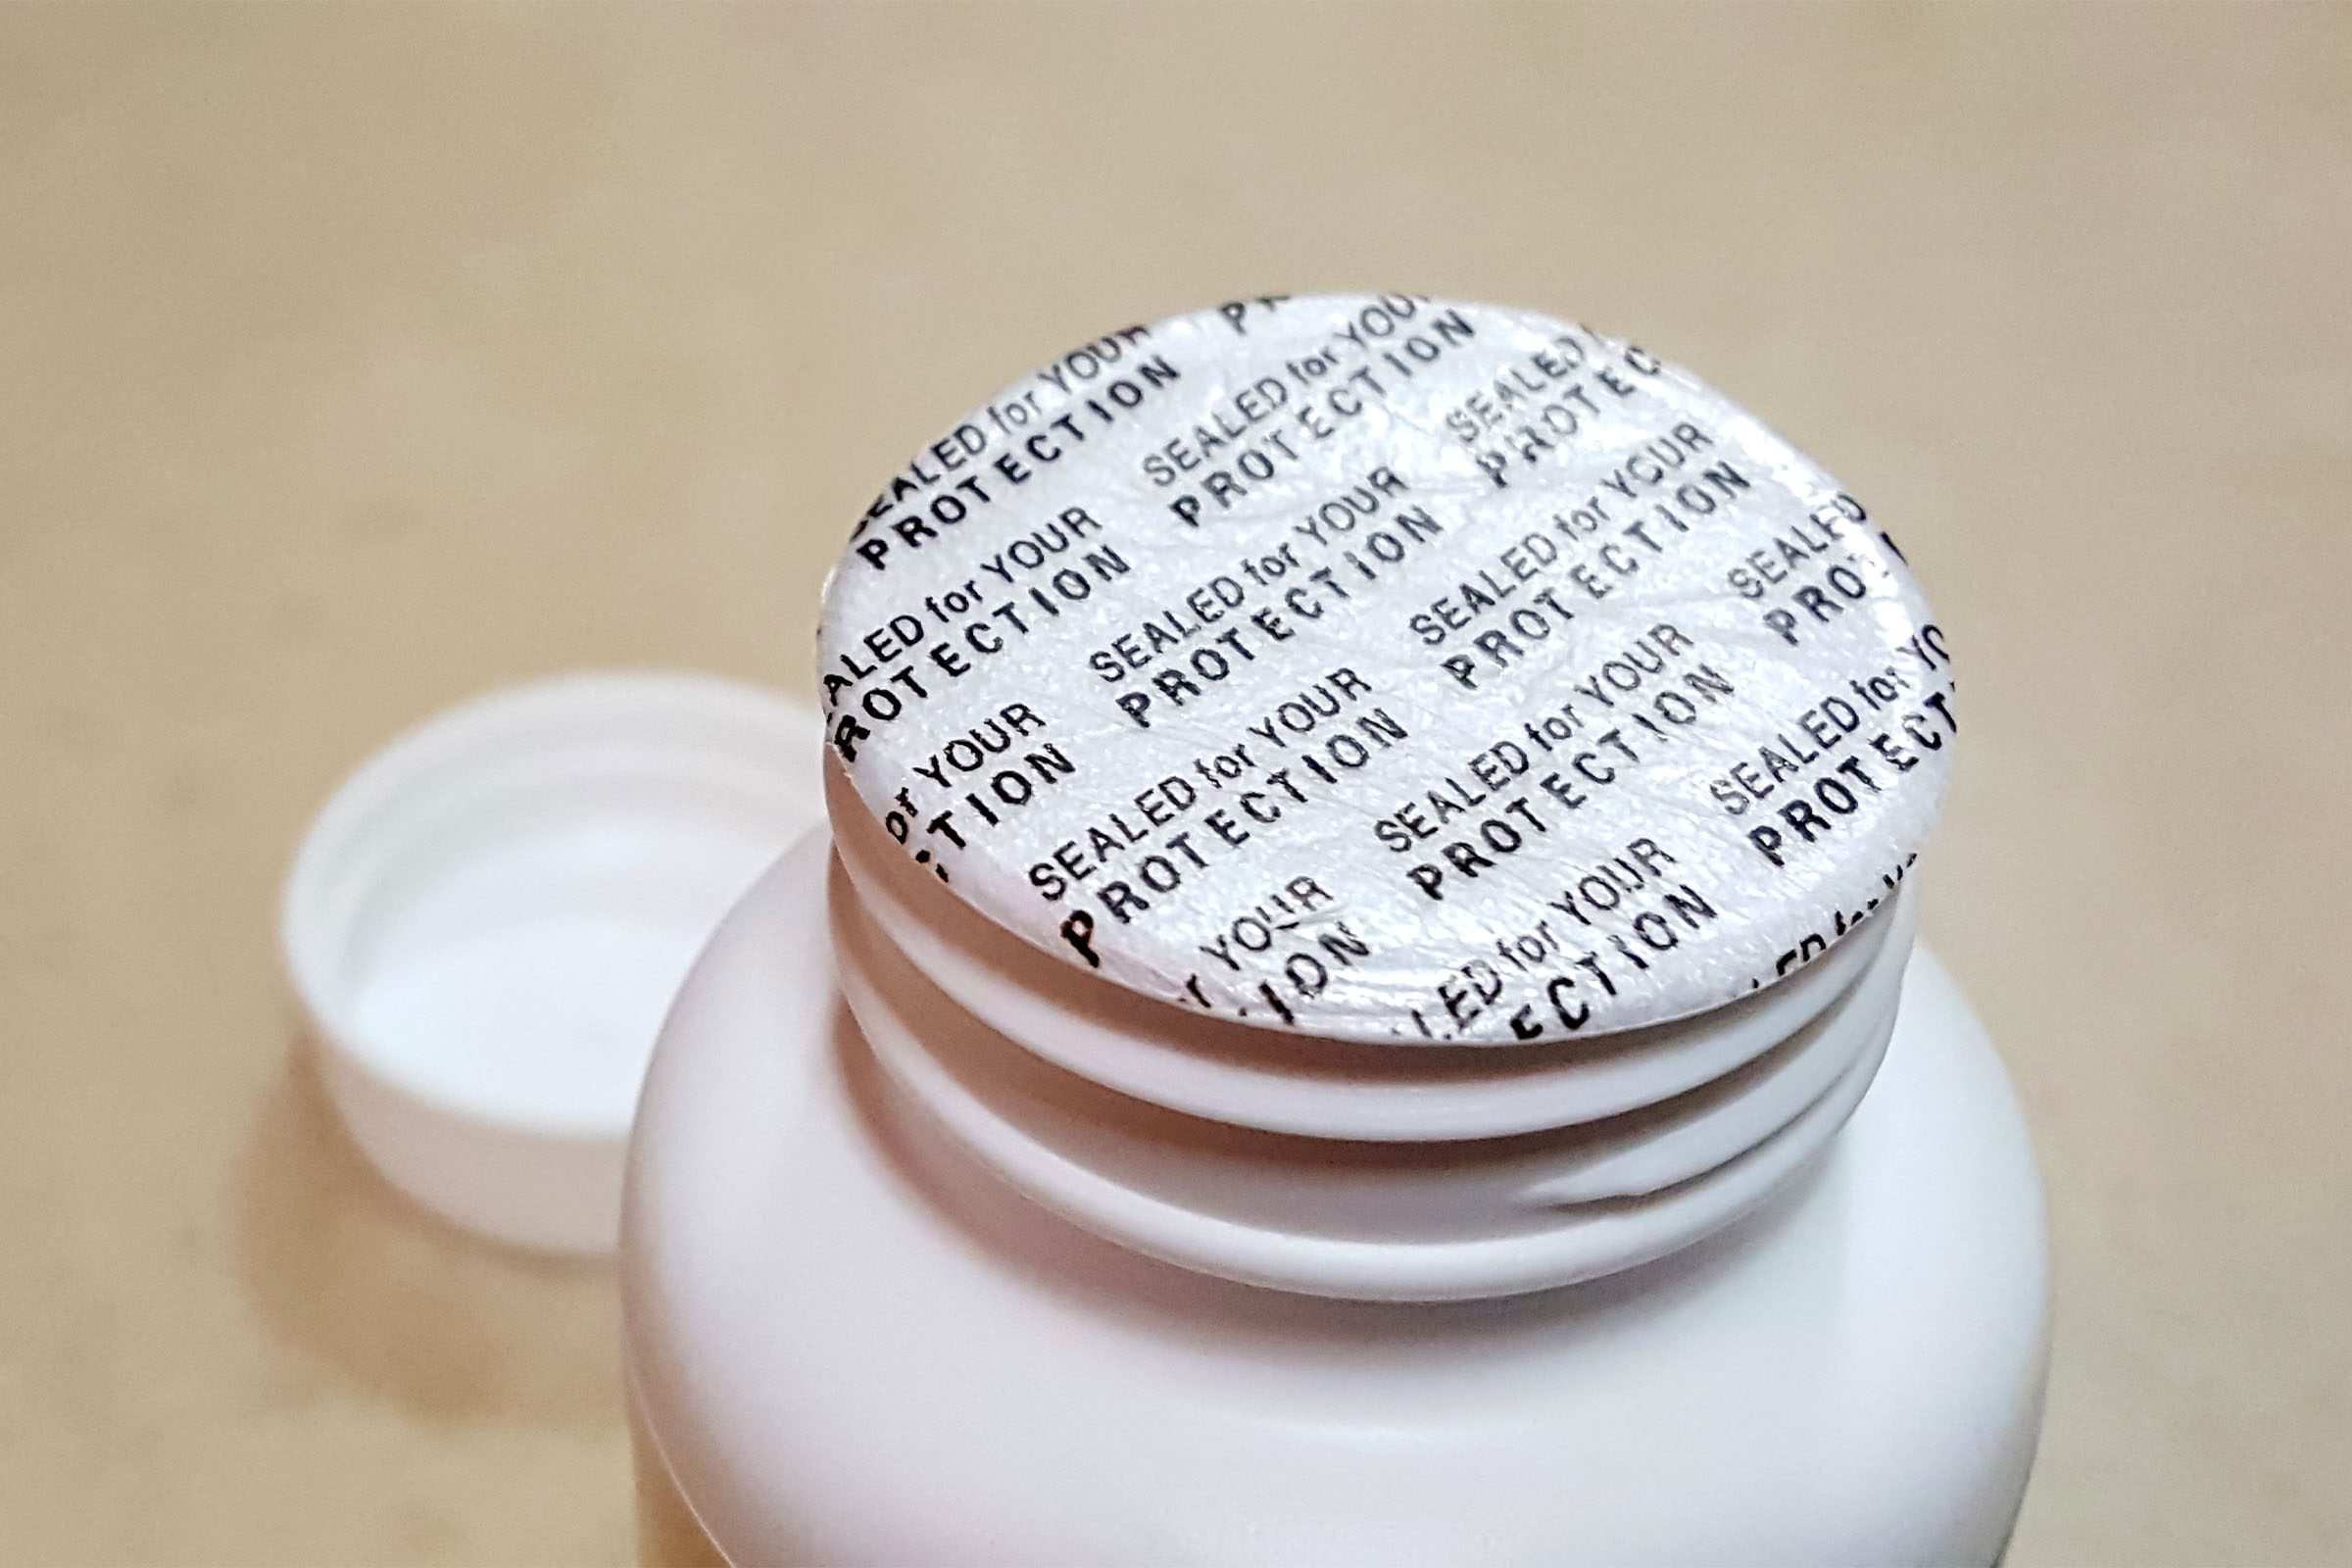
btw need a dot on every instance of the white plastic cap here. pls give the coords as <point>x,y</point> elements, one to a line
<point>488,920</point>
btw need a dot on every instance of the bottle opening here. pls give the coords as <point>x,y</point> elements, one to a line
<point>1439,759</point>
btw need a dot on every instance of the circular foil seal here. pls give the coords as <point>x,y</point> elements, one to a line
<point>1382,667</point>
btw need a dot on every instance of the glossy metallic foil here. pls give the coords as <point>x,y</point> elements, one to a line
<point>1388,668</point>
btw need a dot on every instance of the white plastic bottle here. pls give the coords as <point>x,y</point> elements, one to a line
<point>1359,1006</point>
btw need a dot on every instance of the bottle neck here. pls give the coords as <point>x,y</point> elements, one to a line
<point>1341,1168</point>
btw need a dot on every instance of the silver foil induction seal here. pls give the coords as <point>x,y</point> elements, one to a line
<point>1388,668</point>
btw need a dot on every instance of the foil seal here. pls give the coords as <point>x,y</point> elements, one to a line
<point>1388,668</point>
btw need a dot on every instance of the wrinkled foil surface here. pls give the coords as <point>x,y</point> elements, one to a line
<point>1388,668</point>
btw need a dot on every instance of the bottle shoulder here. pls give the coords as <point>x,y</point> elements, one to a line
<point>850,1342</point>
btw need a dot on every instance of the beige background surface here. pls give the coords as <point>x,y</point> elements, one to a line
<point>353,360</point>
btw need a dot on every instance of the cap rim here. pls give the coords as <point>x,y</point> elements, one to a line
<point>467,1101</point>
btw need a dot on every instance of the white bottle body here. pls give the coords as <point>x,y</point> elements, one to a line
<point>848,1342</point>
